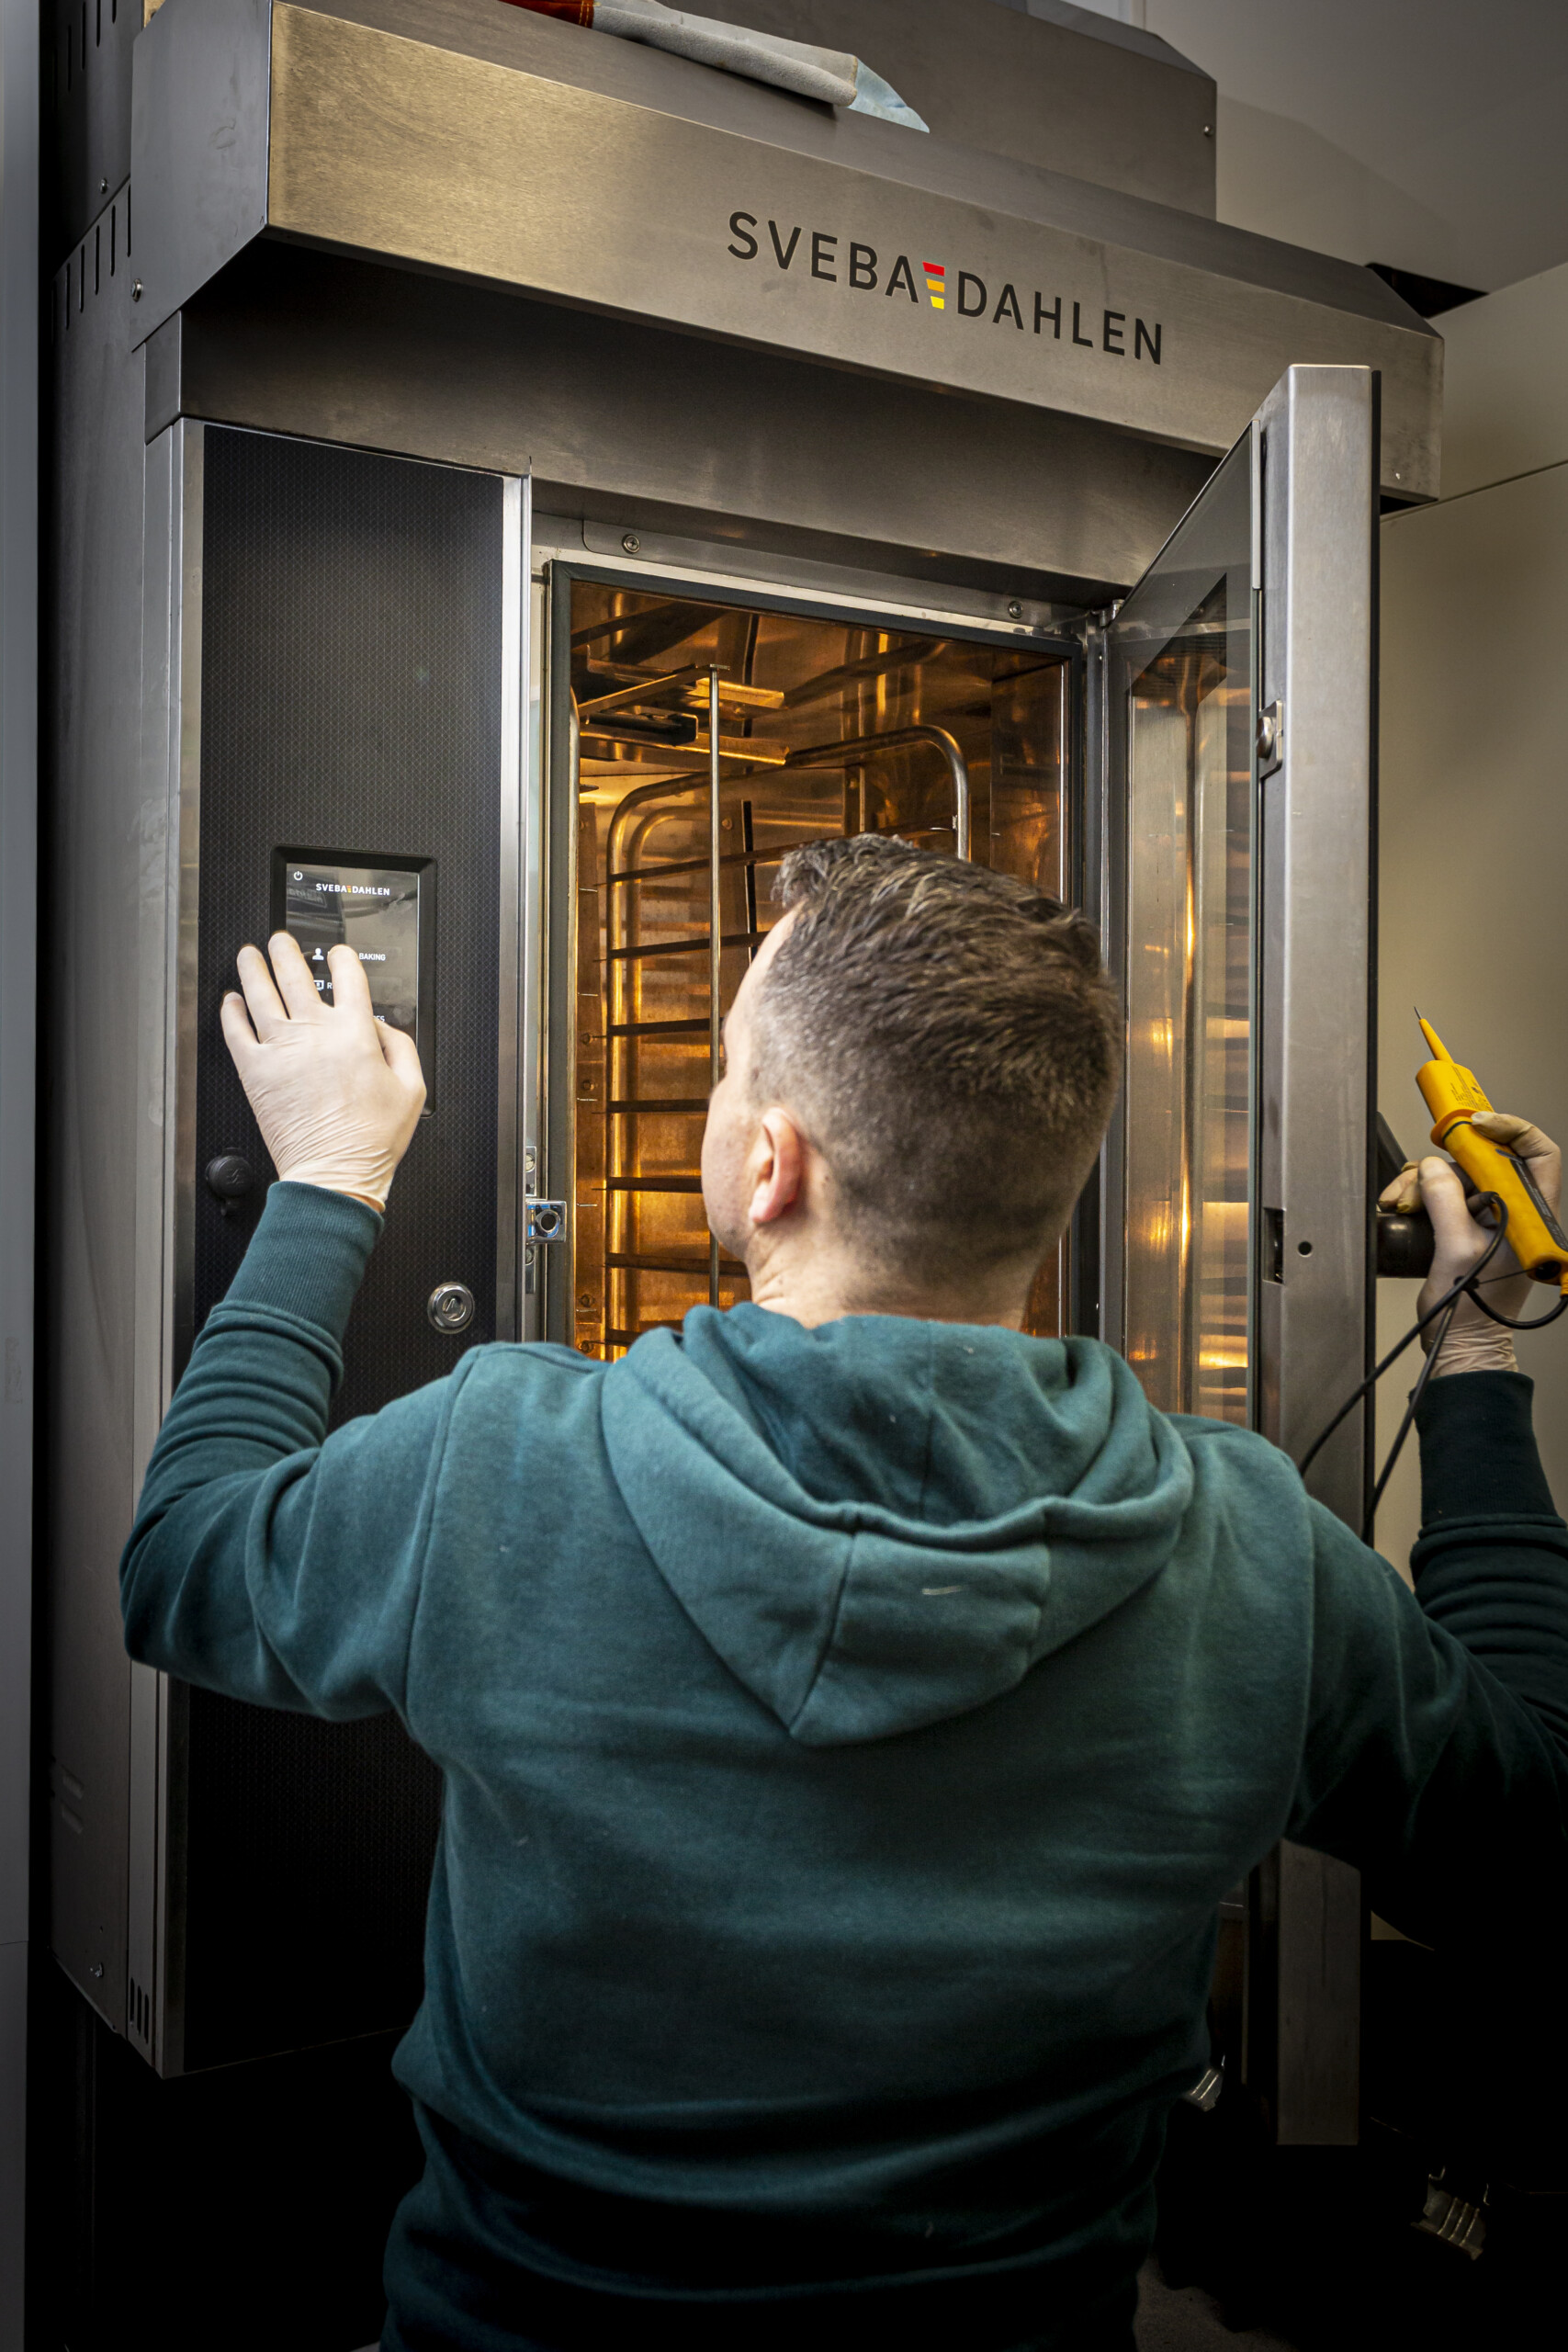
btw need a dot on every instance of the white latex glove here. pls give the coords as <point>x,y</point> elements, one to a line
<point>1473,1343</point>
<point>336,1092</point>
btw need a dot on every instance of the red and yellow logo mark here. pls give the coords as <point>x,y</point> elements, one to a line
<point>936,283</point>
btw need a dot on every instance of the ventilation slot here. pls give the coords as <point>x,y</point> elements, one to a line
<point>140,2010</point>
<point>68,1794</point>
<point>85,273</point>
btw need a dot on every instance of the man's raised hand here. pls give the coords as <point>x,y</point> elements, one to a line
<point>337,1094</point>
<point>1475,1343</point>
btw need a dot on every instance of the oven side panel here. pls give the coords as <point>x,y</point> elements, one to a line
<point>102,850</point>
<point>353,706</point>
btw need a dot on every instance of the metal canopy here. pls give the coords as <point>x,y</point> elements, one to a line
<point>497,147</point>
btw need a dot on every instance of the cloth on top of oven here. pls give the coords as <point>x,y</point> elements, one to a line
<point>830,75</point>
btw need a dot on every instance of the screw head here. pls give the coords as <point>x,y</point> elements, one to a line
<point>1015,610</point>
<point>136,292</point>
<point>631,543</point>
<point>103,187</point>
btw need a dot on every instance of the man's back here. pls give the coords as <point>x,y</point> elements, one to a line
<point>851,1711</point>
<point>849,1735</point>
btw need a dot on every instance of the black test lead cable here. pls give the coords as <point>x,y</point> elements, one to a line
<point>1446,1308</point>
<point>1449,1298</point>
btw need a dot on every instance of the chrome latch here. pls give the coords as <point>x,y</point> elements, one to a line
<point>1453,2219</point>
<point>1270,738</point>
<point>450,1308</point>
<point>1205,2092</point>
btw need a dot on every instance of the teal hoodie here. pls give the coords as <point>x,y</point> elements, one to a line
<point>848,1736</point>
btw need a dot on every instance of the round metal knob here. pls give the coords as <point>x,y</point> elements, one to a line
<point>229,1177</point>
<point>451,1307</point>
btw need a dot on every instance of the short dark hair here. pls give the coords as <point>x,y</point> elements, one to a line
<point>949,1038</point>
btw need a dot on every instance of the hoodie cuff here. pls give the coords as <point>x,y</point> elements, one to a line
<point>1478,1451</point>
<point>307,1257</point>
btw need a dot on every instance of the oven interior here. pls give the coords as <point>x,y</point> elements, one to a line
<point>827,726</point>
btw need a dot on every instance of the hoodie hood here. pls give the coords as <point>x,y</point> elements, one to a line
<point>881,1523</point>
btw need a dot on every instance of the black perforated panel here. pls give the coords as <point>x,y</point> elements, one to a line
<point>351,676</point>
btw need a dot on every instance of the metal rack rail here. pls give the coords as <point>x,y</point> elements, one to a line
<point>681,694</point>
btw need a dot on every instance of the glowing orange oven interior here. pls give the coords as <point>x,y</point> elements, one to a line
<point>824,727</point>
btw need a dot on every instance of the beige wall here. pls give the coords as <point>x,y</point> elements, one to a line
<point>1428,136</point>
<point>1474,777</point>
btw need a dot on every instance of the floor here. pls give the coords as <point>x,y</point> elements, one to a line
<point>1185,2319</point>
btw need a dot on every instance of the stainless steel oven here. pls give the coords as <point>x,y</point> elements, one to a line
<point>467,486</point>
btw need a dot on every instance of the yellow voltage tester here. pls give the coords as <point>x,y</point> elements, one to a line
<point>1453,1095</point>
<point>1522,1218</point>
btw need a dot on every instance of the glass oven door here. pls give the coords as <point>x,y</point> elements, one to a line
<point>1233,738</point>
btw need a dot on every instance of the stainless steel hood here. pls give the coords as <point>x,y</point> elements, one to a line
<point>488,146</point>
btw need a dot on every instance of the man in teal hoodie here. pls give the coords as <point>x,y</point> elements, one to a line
<point>851,1711</point>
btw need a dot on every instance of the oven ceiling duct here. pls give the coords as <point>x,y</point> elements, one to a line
<point>503,149</point>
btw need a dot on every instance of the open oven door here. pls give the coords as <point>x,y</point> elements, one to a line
<point>1232,742</point>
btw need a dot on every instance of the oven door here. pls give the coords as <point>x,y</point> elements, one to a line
<point>1232,742</point>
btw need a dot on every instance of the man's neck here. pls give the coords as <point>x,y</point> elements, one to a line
<point>820,1286</point>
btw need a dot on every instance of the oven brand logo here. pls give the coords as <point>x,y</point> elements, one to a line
<point>842,260</point>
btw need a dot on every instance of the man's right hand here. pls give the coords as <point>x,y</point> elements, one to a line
<point>337,1094</point>
<point>1475,1343</point>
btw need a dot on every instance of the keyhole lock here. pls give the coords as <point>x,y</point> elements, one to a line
<point>451,1308</point>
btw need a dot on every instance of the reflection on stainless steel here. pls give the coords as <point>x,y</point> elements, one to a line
<point>828,728</point>
<point>1184,645</point>
<point>911,650</point>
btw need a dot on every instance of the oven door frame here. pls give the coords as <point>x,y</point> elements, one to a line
<point>549,1054</point>
<point>1313,458</point>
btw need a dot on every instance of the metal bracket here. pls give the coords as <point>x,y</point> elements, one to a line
<point>546,1221</point>
<point>1454,2220</point>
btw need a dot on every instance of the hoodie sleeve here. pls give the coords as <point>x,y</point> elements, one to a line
<point>1436,1749</point>
<point>267,1560</point>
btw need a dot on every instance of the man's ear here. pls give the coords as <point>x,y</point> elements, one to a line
<point>778,1160</point>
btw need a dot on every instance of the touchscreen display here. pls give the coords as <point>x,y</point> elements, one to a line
<point>373,910</point>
